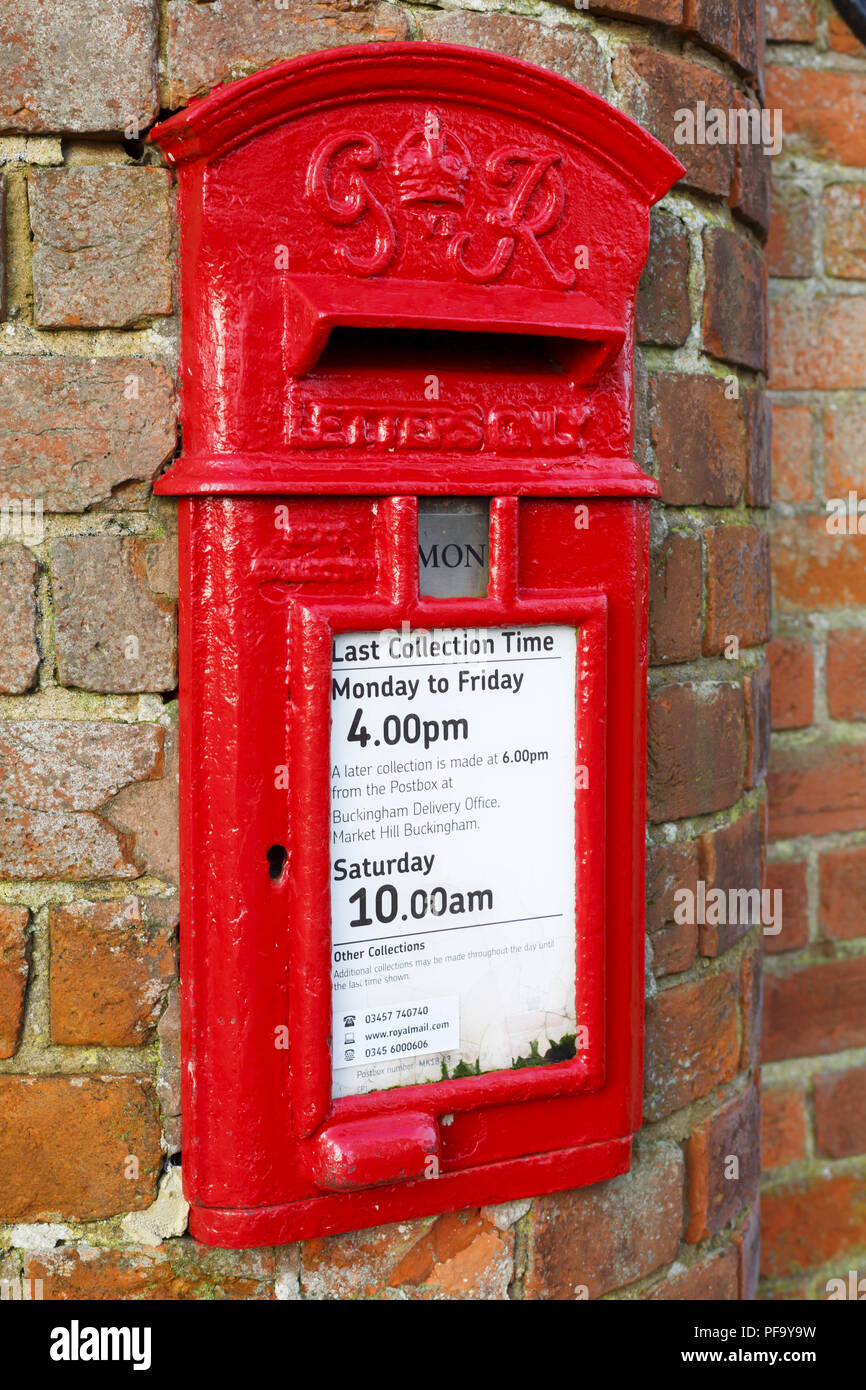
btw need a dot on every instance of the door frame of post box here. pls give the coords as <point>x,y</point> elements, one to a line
<point>314,622</point>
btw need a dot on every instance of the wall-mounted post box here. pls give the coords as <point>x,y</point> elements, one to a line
<point>413,591</point>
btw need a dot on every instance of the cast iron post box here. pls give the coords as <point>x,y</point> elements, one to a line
<point>413,550</point>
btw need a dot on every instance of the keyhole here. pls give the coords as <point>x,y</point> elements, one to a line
<point>277,856</point>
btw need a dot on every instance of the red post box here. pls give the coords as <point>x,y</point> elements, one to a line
<point>413,552</point>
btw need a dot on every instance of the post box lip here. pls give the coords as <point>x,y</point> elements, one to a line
<point>235,112</point>
<point>336,474</point>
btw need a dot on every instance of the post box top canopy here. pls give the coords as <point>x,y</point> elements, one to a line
<point>410,267</point>
<point>232,114</point>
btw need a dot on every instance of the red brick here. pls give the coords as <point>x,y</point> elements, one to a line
<point>846,674</point>
<point>700,440</point>
<point>19,650</point>
<point>446,1257</point>
<point>179,1270</point>
<point>109,973</point>
<point>113,632</point>
<point>696,749</point>
<point>844,464</point>
<point>668,12</point>
<point>734,324</point>
<point>749,52</point>
<point>652,87</point>
<point>675,600</point>
<point>842,875</point>
<point>844,237</point>
<point>147,813</point>
<point>14,968</point>
<point>791,243</point>
<point>813,569</point>
<point>560,48</point>
<point>840,1112</point>
<point>815,1010</point>
<point>818,340</point>
<point>207,44</point>
<point>825,112</point>
<point>599,1238</point>
<point>102,439</point>
<point>751,193</point>
<point>691,1043</point>
<point>783,1126</point>
<point>758,724</point>
<point>791,21</point>
<point>90,66</point>
<point>360,1263</point>
<point>805,1224</point>
<point>731,859</point>
<point>719,1187</point>
<point>54,777</point>
<point>747,1240</point>
<point>751,1007</point>
<point>817,788</point>
<point>463,1256</point>
<point>712,1280</point>
<point>668,869</point>
<point>789,879</point>
<point>841,38</point>
<point>65,1142</point>
<point>738,587</point>
<point>792,452</point>
<point>101,245</point>
<point>759,430</point>
<point>664,313</point>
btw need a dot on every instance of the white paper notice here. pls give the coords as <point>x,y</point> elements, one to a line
<point>452,851</point>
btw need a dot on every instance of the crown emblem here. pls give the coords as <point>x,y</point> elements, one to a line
<point>430,166</point>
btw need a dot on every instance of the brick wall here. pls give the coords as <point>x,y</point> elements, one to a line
<point>89,1124</point>
<point>815,1022</point>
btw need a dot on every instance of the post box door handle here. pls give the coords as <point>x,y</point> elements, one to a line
<point>366,1153</point>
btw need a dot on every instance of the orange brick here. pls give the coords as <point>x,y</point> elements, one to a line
<point>66,1142</point>
<point>178,1271</point>
<point>791,242</point>
<point>813,569</point>
<point>13,976</point>
<point>791,21</point>
<point>738,587</point>
<point>818,340</point>
<point>789,879</point>
<point>842,876</point>
<point>846,673</point>
<point>841,38</point>
<point>840,1113</point>
<point>792,452</point>
<point>719,1189</point>
<point>824,112</point>
<point>691,1043</point>
<point>783,1126</point>
<point>805,1224</point>
<point>816,1010</point>
<point>817,788</point>
<point>792,682</point>
<point>109,973</point>
<point>844,234</point>
<point>844,462</point>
